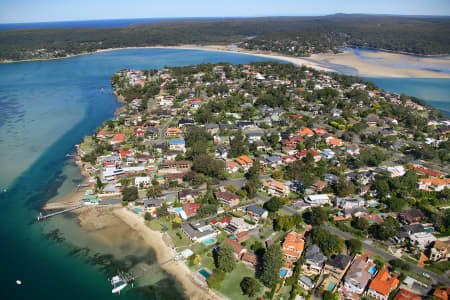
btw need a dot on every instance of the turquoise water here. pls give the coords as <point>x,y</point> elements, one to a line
<point>436,91</point>
<point>46,108</point>
<point>136,209</point>
<point>372,270</point>
<point>283,272</point>
<point>204,273</point>
<point>209,242</point>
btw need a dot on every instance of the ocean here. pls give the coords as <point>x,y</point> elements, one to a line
<point>86,23</point>
<point>49,106</point>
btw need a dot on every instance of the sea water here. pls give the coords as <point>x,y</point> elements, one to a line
<point>45,108</point>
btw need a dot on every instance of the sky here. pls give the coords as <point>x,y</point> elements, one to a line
<point>15,11</point>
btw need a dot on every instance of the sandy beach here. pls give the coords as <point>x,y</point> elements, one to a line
<point>178,269</point>
<point>384,64</point>
<point>384,67</point>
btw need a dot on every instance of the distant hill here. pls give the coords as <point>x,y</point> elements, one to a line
<point>297,36</point>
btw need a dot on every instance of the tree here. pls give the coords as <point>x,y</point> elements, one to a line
<point>274,204</point>
<point>354,246</point>
<point>328,295</point>
<point>327,242</point>
<point>207,210</point>
<point>154,191</point>
<point>130,193</point>
<point>148,216</point>
<point>360,223</point>
<point>318,215</point>
<point>250,286</point>
<point>225,258</point>
<point>238,145</point>
<point>162,210</point>
<point>272,263</point>
<point>216,279</point>
<point>251,187</point>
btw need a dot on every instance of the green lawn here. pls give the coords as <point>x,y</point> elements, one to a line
<point>231,285</point>
<point>439,268</point>
<point>178,237</point>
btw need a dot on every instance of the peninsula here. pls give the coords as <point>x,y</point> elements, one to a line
<point>281,180</point>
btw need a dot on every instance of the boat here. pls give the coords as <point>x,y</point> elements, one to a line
<point>115,280</point>
<point>102,90</point>
<point>118,288</point>
<point>18,282</point>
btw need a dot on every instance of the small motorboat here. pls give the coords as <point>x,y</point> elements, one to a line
<point>18,282</point>
<point>118,288</point>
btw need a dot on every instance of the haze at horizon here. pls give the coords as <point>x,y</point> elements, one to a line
<point>21,11</point>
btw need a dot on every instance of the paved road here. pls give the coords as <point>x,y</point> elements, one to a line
<point>435,277</point>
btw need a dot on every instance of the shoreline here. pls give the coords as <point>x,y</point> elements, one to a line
<point>317,61</point>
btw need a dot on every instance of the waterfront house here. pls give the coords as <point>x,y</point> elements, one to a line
<point>117,139</point>
<point>238,249</point>
<point>198,231</point>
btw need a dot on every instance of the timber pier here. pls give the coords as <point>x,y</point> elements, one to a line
<point>43,217</point>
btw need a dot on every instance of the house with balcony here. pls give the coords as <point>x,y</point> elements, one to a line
<point>382,285</point>
<point>314,260</point>
<point>227,198</point>
<point>335,267</point>
<point>277,188</point>
<point>293,247</point>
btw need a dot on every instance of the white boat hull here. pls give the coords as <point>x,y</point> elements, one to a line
<point>119,288</point>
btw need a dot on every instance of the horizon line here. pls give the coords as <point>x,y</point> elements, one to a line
<point>229,17</point>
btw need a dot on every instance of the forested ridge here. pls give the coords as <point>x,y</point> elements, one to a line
<point>297,36</point>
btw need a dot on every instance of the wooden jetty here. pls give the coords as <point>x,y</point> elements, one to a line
<point>43,217</point>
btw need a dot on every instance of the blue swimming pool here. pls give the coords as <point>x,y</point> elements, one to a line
<point>283,272</point>
<point>137,209</point>
<point>372,270</point>
<point>178,209</point>
<point>331,286</point>
<point>209,241</point>
<point>204,273</point>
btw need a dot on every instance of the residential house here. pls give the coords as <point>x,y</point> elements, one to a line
<point>434,184</point>
<point>331,179</point>
<point>274,161</point>
<point>256,212</point>
<point>144,181</point>
<point>277,188</point>
<point>198,231</point>
<point>372,120</point>
<point>117,139</point>
<point>244,162</point>
<point>187,195</point>
<point>412,216</point>
<point>173,166</point>
<point>306,283</point>
<point>334,142</point>
<point>319,185</point>
<point>250,259</point>
<point>314,260</point>
<point>382,285</point>
<point>439,251</point>
<point>173,131</point>
<point>441,294</point>
<point>103,134</point>
<point>236,225</point>
<point>302,154</point>
<point>221,152</point>
<point>227,198</point>
<point>231,166</point>
<point>238,249</point>
<point>317,200</point>
<point>406,295</point>
<point>191,209</point>
<point>336,268</point>
<point>293,247</point>
<point>242,237</point>
<point>305,132</point>
<point>373,219</point>
<point>424,171</point>
<point>254,136</point>
<point>350,202</point>
<point>359,274</point>
<point>177,145</point>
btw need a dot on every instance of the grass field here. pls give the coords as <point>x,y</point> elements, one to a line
<point>231,285</point>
